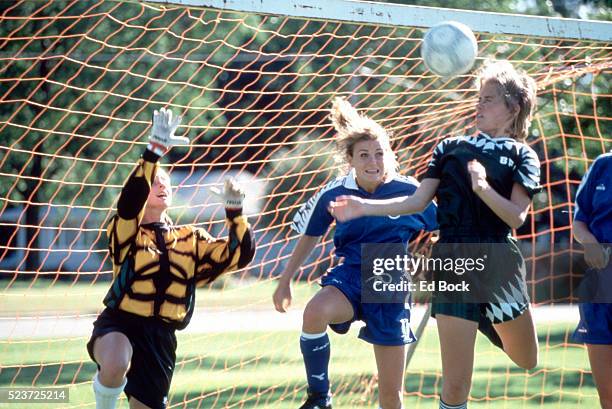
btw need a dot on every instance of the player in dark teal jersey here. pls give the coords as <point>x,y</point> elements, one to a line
<point>484,185</point>
<point>363,145</point>
<point>593,229</point>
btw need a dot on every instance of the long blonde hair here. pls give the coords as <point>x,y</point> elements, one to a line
<point>517,88</point>
<point>352,127</point>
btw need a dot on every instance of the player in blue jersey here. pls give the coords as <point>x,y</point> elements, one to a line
<point>363,145</point>
<point>593,229</point>
<point>484,185</point>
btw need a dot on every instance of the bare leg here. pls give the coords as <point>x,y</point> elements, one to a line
<point>136,404</point>
<point>520,340</point>
<point>113,352</point>
<point>328,306</point>
<point>600,357</point>
<point>457,340</point>
<point>390,361</point>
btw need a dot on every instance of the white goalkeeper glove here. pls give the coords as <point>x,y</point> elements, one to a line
<point>162,136</point>
<point>232,195</point>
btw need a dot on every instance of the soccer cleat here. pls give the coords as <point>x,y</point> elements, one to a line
<point>318,401</point>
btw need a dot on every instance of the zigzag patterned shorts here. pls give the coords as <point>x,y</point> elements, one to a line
<point>502,291</point>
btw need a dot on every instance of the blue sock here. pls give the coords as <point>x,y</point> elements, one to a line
<point>316,351</point>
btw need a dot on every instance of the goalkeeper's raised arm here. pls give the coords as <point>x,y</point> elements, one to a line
<point>156,266</point>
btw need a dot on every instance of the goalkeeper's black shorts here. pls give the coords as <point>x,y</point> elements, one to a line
<point>154,354</point>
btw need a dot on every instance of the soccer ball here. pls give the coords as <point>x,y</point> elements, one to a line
<point>449,49</point>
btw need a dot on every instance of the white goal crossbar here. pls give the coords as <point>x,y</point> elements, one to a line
<point>414,16</point>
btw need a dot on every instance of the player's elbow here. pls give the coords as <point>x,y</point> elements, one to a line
<point>580,231</point>
<point>516,221</point>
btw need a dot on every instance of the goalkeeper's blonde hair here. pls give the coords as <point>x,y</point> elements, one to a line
<point>517,88</point>
<point>352,127</point>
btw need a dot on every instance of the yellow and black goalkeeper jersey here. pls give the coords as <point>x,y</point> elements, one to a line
<point>157,266</point>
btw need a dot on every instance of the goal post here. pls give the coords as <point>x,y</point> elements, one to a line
<point>370,12</point>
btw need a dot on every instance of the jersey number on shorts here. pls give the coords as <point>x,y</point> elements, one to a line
<point>406,333</point>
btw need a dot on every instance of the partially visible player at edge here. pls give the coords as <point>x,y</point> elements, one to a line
<point>593,229</point>
<point>364,148</point>
<point>484,185</point>
<point>156,268</point>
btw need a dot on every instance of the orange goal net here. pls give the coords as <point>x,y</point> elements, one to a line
<point>254,82</point>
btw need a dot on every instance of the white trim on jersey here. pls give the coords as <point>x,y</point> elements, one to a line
<point>303,216</point>
<point>350,181</point>
<point>529,157</point>
<point>498,138</point>
<point>301,220</point>
<point>406,179</point>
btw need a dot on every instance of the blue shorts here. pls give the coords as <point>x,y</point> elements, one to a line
<point>386,324</point>
<point>595,326</point>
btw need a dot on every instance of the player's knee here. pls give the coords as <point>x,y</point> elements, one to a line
<point>113,371</point>
<point>315,315</point>
<point>390,399</point>
<point>528,361</point>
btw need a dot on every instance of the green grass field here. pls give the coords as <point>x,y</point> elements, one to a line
<point>249,370</point>
<point>44,298</point>
<point>264,370</point>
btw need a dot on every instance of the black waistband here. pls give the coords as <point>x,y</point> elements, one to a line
<point>128,316</point>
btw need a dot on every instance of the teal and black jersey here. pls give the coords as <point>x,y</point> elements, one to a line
<point>506,160</point>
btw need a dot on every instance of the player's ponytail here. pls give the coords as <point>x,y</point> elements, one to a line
<point>345,117</point>
<point>352,127</point>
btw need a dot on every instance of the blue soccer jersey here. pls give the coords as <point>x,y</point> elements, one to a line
<point>313,218</point>
<point>594,208</point>
<point>385,323</point>
<point>594,199</point>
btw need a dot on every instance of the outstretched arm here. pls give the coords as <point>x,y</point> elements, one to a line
<point>123,227</point>
<point>282,296</point>
<point>302,250</point>
<point>351,207</point>
<point>218,256</point>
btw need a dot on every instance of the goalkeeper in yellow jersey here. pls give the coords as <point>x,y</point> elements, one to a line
<point>156,268</point>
